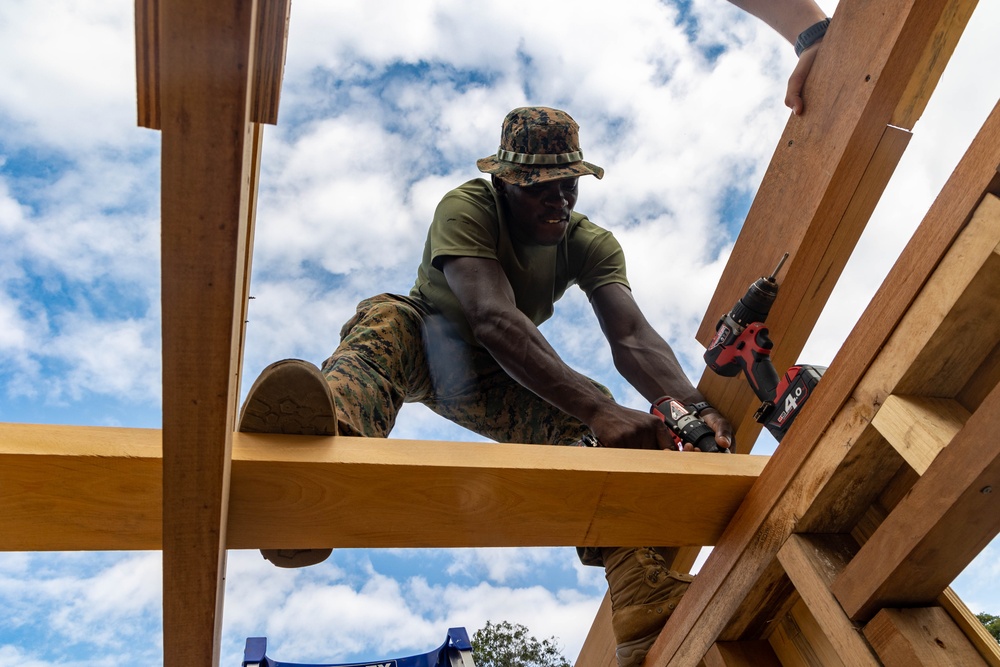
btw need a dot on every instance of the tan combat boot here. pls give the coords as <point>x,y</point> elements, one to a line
<point>644,592</point>
<point>290,396</point>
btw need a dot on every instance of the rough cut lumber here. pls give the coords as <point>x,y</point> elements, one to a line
<point>949,516</point>
<point>838,413</point>
<point>205,58</point>
<point>74,487</point>
<point>741,654</point>
<point>812,563</point>
<point>920,638</point>
<point>919,427</point>
<point>271,38</point>
<point>870,82</point>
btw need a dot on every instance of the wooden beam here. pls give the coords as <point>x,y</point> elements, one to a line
<point>205,59</point>
<point>812,563</point>
<point>948,517</point>
<point>73,487</point>
<point>798,641</point>
<point>598,648</point>
<point>919,427</point>
<point>147,63</point>
<point>920,638</point>
<point>741,654</point>
<point>871,79</point>
<point>839,411</point>
<point>269,62</point>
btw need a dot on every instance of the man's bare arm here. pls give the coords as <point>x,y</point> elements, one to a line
<point>644,358</point>
<point>789,18</point>
<point>522,351</point>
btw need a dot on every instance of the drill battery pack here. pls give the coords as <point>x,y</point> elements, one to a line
<point>793,391</point>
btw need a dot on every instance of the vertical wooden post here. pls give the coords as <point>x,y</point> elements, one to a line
<point>205,57</point>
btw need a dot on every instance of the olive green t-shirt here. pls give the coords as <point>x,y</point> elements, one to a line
<point>469,223</point>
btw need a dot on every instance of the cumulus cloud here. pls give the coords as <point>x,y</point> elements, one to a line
<point>379,118</point>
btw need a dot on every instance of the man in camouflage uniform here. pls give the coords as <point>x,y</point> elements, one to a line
<point>465,342</point>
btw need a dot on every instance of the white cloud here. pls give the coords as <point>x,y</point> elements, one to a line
<point>379,118</point>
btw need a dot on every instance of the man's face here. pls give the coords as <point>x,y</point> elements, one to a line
<point>539,213</point>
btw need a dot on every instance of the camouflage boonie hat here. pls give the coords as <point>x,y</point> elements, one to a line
<point>538,144</point>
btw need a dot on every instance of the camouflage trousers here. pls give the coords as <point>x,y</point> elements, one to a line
<point>395,350</point>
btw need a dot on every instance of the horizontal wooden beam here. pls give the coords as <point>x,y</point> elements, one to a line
<point>90,488</point>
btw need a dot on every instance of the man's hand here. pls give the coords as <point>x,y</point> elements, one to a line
<point>620,427</point>
<point>723,430</point>
<point>793,94</point>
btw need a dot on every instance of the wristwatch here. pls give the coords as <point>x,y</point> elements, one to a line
<point>811,35</point>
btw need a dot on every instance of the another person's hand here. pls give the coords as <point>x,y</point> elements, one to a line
<point>793,94</point>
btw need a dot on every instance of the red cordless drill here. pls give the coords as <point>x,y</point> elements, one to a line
<point>741,343</point>
<point>685,424</point>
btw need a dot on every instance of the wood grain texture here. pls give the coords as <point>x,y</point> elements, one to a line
<point>812,563</point>
<point>919,427</point>
<point>147,63</point>
<point>946,519</point>
<point>839,412</point>
<point>741,654</point>
<point>269,62</point>
<point>922,637</point>
<point>598,648</point>
<point>206,56</point>
<point>358,492</point>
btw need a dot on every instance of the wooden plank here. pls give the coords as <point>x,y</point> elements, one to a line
<point>970,626</point>
<point>877,66</point>
<point>920,637</point>
<point>948,517</point>
<point>598,648</point>
<point>919,427</point>
<point>74,487</point>
<point>205,56</point>
<point>783,643</point>
<point>741,654</point>
<point>757,614</point>
<point>269,62</point>
<point>147,63</point>
<point>798,641</point>
<point>812,563</point>
<point>839,411</point>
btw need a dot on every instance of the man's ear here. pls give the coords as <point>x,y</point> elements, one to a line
<point>499,185</point>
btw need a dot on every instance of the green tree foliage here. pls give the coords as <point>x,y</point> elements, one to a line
<point>992,624</point>
<point>506,644</point>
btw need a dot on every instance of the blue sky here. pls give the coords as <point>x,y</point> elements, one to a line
<point>386,106</point>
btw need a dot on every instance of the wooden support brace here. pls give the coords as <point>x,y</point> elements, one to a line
<point>948,517</point>
<point>812,563</point>
<point>741,654</point>
<point>72,487</point>
<point>923,637</point>
<point>918,427</point>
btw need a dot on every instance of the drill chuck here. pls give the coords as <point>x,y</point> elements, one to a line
<point>755,305</point>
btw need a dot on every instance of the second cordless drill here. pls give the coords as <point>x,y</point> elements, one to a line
<point>741,343</point>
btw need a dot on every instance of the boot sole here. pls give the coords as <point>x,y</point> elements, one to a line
<point>631,654</point>
<point>292,397</point>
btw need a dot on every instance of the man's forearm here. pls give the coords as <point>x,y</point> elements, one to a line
<point>787,17</point>
<point>523,352</point>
